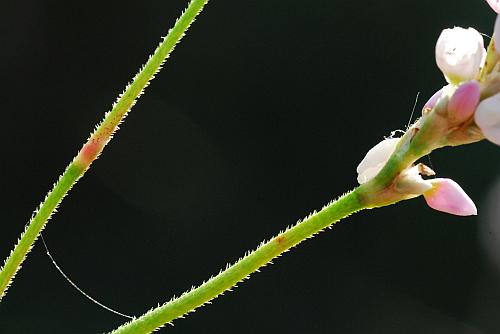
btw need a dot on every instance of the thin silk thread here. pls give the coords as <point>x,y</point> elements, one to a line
<point>412,111</point>
<point>73,284</point>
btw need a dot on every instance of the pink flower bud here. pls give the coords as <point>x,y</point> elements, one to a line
<point>433,99</point>
<point>464,101</point>
<point>447,196</point>
<point>495,5</point>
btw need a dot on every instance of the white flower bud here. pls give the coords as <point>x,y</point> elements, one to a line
<point>375,159</point>
<point>487,117</point>
<point>460,54</point>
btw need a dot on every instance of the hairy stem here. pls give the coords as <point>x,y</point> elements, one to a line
<point>95,144</point>
<point>229,277</point>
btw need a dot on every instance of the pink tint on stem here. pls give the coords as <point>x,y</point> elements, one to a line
<point>495,5</point>
<point>90,150</point>
<point>464,101</point>
<point>434,98</point>
<point>447,196</point>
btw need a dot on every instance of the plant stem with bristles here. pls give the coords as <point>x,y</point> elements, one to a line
<point>95,144</point>
<point>237,272</point>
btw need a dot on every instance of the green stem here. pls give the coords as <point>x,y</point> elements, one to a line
<point>228,278</point>
<point>95,144</point>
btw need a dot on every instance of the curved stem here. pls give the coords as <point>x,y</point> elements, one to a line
<point>229,277</point>
<point>95,144</point>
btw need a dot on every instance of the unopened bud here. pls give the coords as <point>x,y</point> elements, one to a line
<point>432,100</point>
<point>464,101</point>
<point>460,54</point>
<point>447,196</point>
<point>375,159</point>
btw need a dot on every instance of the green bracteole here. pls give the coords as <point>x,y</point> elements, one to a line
<point>95,144</point>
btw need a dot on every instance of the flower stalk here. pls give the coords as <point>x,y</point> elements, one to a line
<point>95,144</point>
<point>239,271</point>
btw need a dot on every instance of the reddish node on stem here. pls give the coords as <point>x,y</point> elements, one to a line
<point>280,239</point>
<point>89,152</point>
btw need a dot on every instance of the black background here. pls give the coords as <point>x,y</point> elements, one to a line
<point>260,116</point>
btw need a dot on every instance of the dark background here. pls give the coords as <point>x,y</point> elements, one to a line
<point>260,116</point>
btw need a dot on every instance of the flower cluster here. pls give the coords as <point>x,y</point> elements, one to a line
<point>461,56</point>
<point>466,110</point>
<point>440,194</point>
